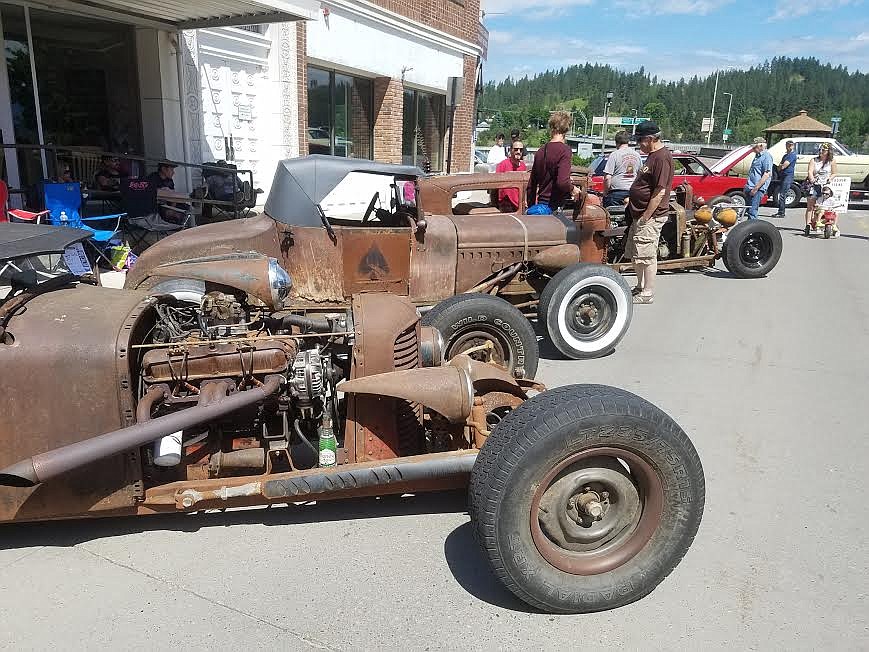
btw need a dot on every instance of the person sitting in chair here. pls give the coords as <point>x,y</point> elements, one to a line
<point>163,177</point>
<point>108,177</point>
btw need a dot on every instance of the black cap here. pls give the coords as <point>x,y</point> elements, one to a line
<point>167,164</point>
<point>647,128</point>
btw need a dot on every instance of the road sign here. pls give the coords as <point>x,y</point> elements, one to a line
<point>631,120</point>
<point>724,137</point>
<point>707,125</point>
<point>728,132</point>
<point>835,120</point>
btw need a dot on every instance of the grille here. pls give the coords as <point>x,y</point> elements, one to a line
<point>408,416</point>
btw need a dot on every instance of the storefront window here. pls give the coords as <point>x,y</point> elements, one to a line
<point>423,130</point>
<point>339,114</point>
<point>88,95</point>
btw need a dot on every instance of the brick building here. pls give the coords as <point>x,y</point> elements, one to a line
<point>375,75</point>
<point>250,82</point>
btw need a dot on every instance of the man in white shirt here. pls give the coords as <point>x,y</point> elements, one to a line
<point>497,153</point>
<point>621,169</point>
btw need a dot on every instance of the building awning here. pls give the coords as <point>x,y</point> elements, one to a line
<point>187,14</point>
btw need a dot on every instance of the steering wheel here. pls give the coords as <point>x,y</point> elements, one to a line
<point>370,208</point>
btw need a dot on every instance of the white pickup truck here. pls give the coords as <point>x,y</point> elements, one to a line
<point>851,165</point>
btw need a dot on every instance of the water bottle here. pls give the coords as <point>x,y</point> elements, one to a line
<point>328,443</point>
<point>64,218</point>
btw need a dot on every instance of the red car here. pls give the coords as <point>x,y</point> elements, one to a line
<point>707,182</point>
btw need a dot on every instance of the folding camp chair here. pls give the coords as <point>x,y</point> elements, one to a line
<point>144,221</point>
<point>15,214</point>
<point>63,201</point>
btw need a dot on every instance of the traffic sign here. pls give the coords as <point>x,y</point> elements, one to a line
<point>728,132</point>
<point>724,137</point>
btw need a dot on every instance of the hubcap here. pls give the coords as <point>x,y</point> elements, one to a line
<point>591,313</point>
<point>756,250</point>
<point>591,514</point>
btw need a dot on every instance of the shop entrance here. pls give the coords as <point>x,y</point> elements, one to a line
<point>67,81</point>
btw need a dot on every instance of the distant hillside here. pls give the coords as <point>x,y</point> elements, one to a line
<point>762,96</point>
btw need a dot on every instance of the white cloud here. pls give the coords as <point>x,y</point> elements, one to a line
<point>497,37</point>
<point>693,7</point>
<point>786,9</point>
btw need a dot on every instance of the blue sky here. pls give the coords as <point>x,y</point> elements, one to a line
<point>671,38</point>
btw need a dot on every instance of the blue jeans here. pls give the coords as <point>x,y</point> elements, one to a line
<point>753,201</point>
<point>783,188</point>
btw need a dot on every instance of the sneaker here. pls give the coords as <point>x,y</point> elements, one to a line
<point>636,290</point>
<point>781,216</point>
<point>644,298</point>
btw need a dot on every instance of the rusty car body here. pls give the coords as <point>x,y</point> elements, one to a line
<point>433,247</point>
<point>121,402</point>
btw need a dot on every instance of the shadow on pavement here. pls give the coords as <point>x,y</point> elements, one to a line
<point>471,570</point>
<point>65,534</point>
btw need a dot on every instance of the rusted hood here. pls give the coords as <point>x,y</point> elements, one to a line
<point>235,236</point>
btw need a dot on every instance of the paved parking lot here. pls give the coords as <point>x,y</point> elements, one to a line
<point>770,379</point>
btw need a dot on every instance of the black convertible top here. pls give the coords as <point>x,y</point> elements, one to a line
<point>22,240</point>
<point>300,184</point>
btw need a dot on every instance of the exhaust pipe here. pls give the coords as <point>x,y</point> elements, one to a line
<point>45,466</point>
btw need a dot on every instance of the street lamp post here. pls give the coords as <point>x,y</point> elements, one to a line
<point>712,115</point>
<point>606,114</point>
<point>729,104</point>
<point>585,127</point>
<point>634,122</point>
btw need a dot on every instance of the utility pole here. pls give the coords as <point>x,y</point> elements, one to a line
<point>729,104</point>
<point>712,115</point>
<point>634,123</point>
<point>606,114</point>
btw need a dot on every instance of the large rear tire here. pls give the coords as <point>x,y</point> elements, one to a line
<point>585,497</point>
<point>587,310</point>
<point>469,321</point>
<point>752,249</point>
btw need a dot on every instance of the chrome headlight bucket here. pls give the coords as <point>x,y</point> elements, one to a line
<point>279,283</point>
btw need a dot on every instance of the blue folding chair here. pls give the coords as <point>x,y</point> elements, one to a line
<point>66,198</point>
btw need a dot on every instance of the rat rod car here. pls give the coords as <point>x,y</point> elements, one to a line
<point>691,239</point>
<point>119,403</point>
<point>427,248</point>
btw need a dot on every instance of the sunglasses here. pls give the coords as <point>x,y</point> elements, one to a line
<point>517,149</point>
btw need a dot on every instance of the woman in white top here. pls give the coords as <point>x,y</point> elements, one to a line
<point>821,169</point>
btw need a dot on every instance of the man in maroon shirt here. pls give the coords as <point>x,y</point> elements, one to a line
<point>550,185</point>
<point>508,198</point>
<point>648,209</point>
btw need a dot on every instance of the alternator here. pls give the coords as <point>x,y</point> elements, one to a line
<point>308,385</point>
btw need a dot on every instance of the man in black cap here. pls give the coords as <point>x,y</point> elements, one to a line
<point>648,209</point>
<point>163,177</point>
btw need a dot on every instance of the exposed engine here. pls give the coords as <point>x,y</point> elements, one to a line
<point>196,354</point>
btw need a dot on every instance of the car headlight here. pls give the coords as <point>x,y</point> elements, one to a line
<point>279,283</point>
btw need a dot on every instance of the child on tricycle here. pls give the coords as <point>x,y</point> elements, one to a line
<point>825,215</point>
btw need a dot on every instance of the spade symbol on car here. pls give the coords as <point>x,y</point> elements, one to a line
<point>373,264</point>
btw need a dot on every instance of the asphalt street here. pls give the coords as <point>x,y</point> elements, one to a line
<point>769,377</point>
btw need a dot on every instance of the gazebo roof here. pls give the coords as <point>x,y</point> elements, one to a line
<point>800,124</point>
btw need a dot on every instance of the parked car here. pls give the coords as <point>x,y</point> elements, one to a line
<point>432,248</point>
<point>706,181</point>
<point>117,403</point>
<point>848,164</point>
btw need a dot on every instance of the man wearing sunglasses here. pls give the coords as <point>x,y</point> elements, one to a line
<point>508,198</point>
